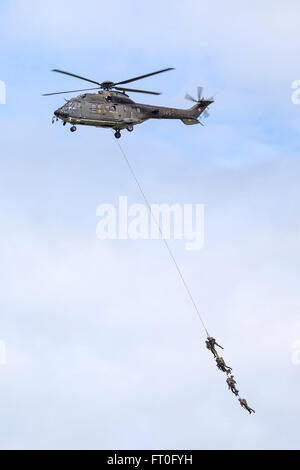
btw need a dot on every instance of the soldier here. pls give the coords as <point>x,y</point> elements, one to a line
<point>244,404</point>
<point>231,385</point>
<point>222,366</point>
<point>211,343</point>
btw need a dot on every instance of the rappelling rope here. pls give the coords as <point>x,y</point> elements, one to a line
<point>171,254</point>
<point>163,239</point>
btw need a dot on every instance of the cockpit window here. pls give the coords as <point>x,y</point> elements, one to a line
<point>72,105</point>
<point>68,106</point>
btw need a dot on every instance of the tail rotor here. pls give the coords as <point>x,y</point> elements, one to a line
<point>199,92</point>
<point>201,100</point>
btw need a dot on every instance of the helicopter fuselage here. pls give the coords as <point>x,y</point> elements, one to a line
<point>117,111</point>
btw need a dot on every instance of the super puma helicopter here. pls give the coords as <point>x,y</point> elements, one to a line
<point>114,109</point>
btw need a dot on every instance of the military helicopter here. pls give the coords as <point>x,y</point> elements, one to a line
<point>111,107</point>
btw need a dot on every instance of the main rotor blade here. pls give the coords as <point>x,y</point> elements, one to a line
<point>137,91</point>
<point>76,76</point>
<point>71,91</point>
<point>143,76</point>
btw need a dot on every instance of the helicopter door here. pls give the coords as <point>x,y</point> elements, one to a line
<point>76,108</point>
<point>126,113</point>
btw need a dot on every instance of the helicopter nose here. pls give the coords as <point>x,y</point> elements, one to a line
<point>59,113</point>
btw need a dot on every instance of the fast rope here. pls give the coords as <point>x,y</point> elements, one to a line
<point>210,343</point>
<point>163,239</point>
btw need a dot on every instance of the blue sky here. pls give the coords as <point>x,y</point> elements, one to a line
<point>103,347</point>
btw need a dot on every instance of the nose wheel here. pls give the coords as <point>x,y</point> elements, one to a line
<point>73,128</point>
<point>117,134</point>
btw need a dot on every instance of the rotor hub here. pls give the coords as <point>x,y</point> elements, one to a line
<point>107,85</point>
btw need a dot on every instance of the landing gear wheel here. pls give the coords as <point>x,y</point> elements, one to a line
<point>117,134</point>
<point>129,127</point>
<point>73,128</point>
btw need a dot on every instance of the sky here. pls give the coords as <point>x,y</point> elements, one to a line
<point>103,347</point>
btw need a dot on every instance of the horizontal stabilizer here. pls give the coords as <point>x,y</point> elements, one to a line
<point>189,122</point>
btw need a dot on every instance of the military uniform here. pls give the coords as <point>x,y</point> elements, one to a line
<point>244,404</point>
<point>211,343</point>
<point>231,385</point>
<point>222,365</point>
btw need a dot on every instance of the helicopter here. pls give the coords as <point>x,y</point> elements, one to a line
<point>112,108</point>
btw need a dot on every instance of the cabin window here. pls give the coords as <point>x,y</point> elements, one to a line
<point>107,108</point>
<point>138,110</point>
<point>113,108</point>
<point>125,108</point>
<point>94,108</point>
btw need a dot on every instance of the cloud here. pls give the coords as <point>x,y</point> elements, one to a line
<point>103,345</point>
<point>259,39</point>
